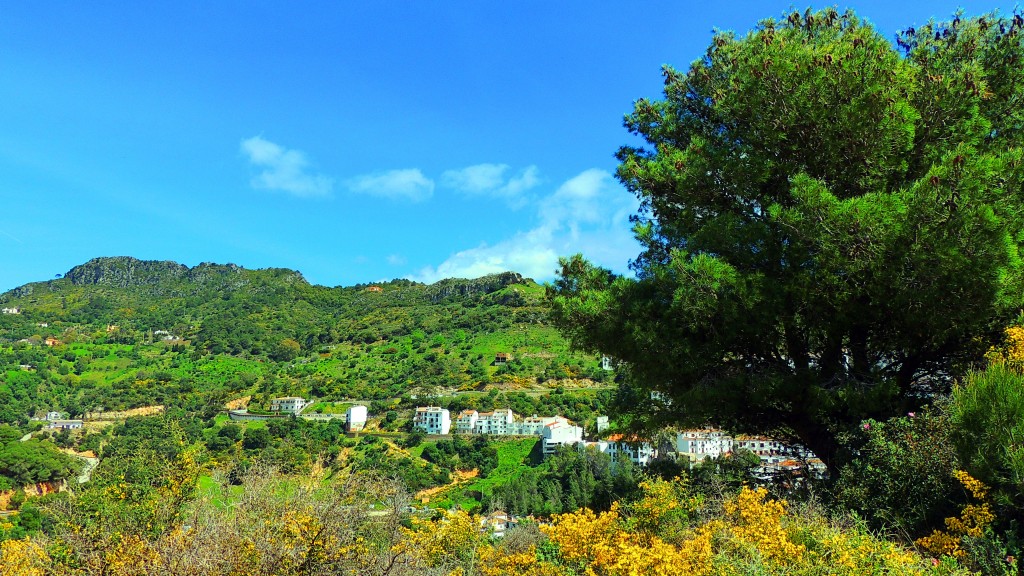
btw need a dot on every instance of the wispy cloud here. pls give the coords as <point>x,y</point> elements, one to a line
<point>283,169</point>
<point>408,184</point>
<point>396,260</point>
<point>588,213</point>
<point>11,236</point>
<point>490,180</point>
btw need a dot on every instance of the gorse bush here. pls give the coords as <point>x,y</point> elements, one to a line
<point>666,532</point>
<point>314,525</point>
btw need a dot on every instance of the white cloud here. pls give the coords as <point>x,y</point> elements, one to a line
<point>530,254</point>
<point>475,179</point>
<point>589,213</point>
<point>409,184</point>
<point>396,259</point>
<point>283,169</point>
<point>489,180</point>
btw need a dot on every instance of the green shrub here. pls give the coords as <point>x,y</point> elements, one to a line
<point>901,475</point>
<point>987,414</point>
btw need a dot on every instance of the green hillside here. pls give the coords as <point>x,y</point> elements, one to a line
<point>133,333</point>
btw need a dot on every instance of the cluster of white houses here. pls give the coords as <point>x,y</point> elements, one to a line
<point>776,457</point>
<point>355,416</point>
<point>555,431</point>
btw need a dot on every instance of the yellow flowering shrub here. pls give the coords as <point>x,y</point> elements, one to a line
<point>754,534</point>
<point>449,542</point>
<point>22,558</point>
<point>757,521</point>
<point>1011,352</point>
<point>665,508</point>
<point>602,544</point>
<point>494,562</point>
<point>973,520</point>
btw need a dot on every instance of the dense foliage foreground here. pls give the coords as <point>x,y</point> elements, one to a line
<point>277,526</point>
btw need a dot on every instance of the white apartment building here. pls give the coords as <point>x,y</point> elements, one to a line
<point>701,444</point>
<point>466,422</point>
<point>534,425</point>
<point>639,451</point>
<point>497,422</point>
<point>355,418</point>
<point>432,420</point>
<point>763,446</point>
<point>557,434</point>
<point>290,404</point>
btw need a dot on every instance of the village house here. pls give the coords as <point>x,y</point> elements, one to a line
<point>10,310</point>
<point>763,446</point>
<point>355,418</point>
<point>640,452</point>
<point>54,416</point>
<point>497,422</point>
<point>65,425</point>
<point>289,404</point>
<point>466,422</point>
<point>502,358</point>
<point>432,420</point>
<point>700,444</point>
<point>557,434</point>
<point>497,523</point>
<point>534,425</point>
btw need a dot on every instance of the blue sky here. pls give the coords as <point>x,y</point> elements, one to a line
<point>354,142</point>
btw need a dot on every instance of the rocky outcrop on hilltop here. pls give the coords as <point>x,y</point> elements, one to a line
<point>462,288</point>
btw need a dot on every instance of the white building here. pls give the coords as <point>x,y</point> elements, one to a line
<point>559,433</point>
<point>65,425</point>
<point>639,451</point>
<point>466,422</point>
<point>290,404</point>
<point>601,424</point>
<point>52,416</point>
<point>10,310</point>
<point>355,418</point>
<point>700,444</point>
<point>534,425</point>
<point>763,446</point>
<point>432,420</point>
<point>498,422</point>
<point>497,523</point>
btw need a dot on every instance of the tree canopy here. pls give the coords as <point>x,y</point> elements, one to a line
<point>830,226</point>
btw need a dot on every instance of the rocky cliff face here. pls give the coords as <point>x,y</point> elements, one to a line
<point>480,286</point>
<point>124,271</point>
